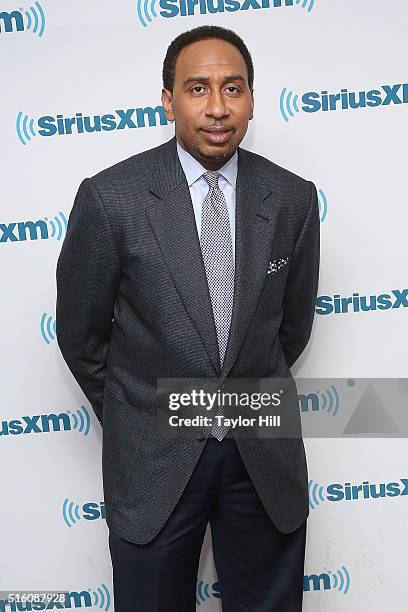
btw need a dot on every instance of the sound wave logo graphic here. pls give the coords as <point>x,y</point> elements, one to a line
<point>58,225</point>
<point>70,512</point>
<point>329,401</point>
<point>316,494</point>
<point>102,598</point>
<point>81,420</point>
<point>35,19</point>
<point>322,202</point>
<point>288,104</point>
<point>340,580</point>
<point>25,128</point>
<point>48,328</point>
<point>202,592</point>
<point>146,11</point>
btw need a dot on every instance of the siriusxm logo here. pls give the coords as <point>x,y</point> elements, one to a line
<point>327,304</point>
<point>47,125</point>
<point>91,511</point>
<point>327,401</point>
<point>33,230</point>
<point>338,580</point>
<point>347,492</point>
<point>32,19</point>
<point>313,102</point>
<point>44,423</point>
<point>147,10</point>
<point>98,598</point>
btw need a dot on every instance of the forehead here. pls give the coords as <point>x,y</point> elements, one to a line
<point>207,57</point>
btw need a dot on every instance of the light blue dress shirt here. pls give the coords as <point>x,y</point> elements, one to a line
<point>199,187</point>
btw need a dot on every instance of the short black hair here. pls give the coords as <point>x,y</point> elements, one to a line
<point>200,33</point>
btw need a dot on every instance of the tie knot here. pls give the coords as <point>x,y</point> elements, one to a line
<point>212,178</point>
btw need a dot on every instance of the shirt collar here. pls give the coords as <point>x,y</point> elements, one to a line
<point>193,169</point>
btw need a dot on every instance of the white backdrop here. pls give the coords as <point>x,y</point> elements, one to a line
<point>96,58</point>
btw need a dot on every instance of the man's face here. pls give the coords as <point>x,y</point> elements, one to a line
<point>211,102</point>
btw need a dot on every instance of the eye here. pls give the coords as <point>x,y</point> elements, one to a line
<point>233,87</point>
<point>197,87</point>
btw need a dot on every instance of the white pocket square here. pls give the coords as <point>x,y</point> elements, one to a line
<point>276,264</point>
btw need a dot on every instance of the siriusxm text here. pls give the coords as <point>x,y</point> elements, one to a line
<point>366,490</point>
<point>130,118</point>
<point>329,304</point>
<point>386,95</point>
<point>23,230</point>
<point>38,423</point>
<point>173,8</point>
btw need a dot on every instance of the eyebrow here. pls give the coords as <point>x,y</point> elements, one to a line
<point>203,79</point>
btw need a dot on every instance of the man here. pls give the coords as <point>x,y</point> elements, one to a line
<point>195,259</point>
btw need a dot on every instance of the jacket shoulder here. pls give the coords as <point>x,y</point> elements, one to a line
<point>273,173</point>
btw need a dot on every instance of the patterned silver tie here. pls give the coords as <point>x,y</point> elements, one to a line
<point>216,247</point>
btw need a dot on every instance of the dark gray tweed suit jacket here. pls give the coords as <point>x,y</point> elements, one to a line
<point>133,306</point>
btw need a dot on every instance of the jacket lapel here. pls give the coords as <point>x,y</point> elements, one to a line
<point>173,223</point>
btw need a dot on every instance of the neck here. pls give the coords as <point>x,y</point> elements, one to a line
<point>213,163</point>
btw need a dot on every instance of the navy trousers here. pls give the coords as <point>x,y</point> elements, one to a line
<point>259,568</point>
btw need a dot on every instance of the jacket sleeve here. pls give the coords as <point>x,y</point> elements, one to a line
<point>87,275</point>
<point>301,286</point>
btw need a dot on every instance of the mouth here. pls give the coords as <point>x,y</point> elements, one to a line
<point>217,135</point>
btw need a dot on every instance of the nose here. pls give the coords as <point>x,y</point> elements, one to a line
<point>216,106</point>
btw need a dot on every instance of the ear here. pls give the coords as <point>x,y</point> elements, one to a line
<point>251,113</point>
<point>167,103</point>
